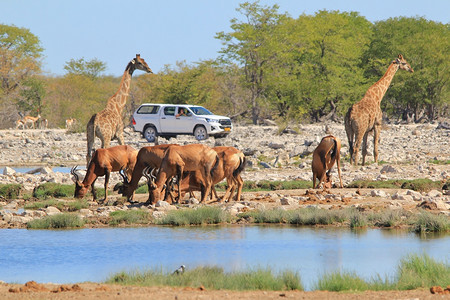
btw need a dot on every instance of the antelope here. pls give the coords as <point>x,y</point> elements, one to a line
<point>20,123</point>
<point>178,159</point>
<point>31,120</point>
<point>103,163</point>
<point>324,157</point>
<point>151,157</point>
<point>44,124</point>
<point>70,123</point>
<point>231,164</point>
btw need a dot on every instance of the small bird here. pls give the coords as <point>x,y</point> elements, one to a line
<point>180,270</point>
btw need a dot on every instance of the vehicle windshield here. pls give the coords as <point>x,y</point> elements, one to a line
<point>198,110</point>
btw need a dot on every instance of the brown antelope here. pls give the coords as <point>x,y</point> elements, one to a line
<point>151,157</point>
<point>20,123</point>
<point>31,120</point>
<point>178,159</point>
<point>103,163</point>
<point>70,123</point>
<point>324,157</point>
<point>231,164</point>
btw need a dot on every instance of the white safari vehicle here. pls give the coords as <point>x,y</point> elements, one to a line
<point>170,120</point>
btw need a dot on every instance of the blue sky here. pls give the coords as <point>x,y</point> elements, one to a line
<point>165,31</point>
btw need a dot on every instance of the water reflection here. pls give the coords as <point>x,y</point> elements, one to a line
<point>92,254</point>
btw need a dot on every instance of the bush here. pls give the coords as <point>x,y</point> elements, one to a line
<point>64,220</point>
<point>10,191</point>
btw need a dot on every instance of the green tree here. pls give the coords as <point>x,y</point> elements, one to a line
<point>20,59</point>
<point>91,68</point>
<point>426,46</point>
<point>328,61</point>
<point>253,44</point>
<point>32,95</point>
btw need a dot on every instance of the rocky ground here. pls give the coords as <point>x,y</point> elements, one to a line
<point>407,152</point>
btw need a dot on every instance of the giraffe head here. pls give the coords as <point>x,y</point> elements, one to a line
<point>139,64</point>
<point>403,64</point>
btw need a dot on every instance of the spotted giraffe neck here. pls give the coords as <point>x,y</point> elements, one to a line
<point>119,99</point>
<point>376,91</point>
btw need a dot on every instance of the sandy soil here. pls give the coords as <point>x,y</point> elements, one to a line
<point>106,291</point>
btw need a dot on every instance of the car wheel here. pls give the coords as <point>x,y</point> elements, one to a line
<point>200,133</point>
<point>150,134</point>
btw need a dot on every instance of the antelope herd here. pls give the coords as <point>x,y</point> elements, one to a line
<point>173,170</point>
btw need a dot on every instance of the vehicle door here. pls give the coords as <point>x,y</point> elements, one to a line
<point>167,120</point>
<point>184,122</point>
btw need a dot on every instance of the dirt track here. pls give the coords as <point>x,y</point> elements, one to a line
<point>104,291</point>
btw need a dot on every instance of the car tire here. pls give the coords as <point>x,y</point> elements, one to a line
<point>200,133</point>
<point>150,134</point>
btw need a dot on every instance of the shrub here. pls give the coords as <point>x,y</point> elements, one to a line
<point>10,191</point>
<point>64,220</point>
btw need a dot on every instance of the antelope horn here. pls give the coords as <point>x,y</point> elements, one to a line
<point>153,175</point>
<point>72,171</point>
<point>124,176</point>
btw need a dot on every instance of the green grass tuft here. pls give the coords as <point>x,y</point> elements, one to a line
<point>428,222</point>
<point>10,191</point>
<point>129,217</point>
<point>59,221</point>
<point>212,278</point>
<point>53,190</point>
<point>200,216</point>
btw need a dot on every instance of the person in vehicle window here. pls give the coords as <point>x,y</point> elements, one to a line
<point>181,112</point>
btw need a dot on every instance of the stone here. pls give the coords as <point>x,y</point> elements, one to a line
<point>416,196</point>
<point>8,171</point>
<point>51,210</point>
<point>288,201</point>
<point>378,193</point>
<point>434,194</point>
<point>388,169</point>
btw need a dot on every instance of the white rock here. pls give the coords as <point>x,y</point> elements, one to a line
<point>8,171</point>
<point>434,194</point>
<point>51,210</point>
<point>378,193</point>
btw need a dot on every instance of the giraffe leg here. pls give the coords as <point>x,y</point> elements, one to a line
<point>364,148</point>
<point>358,140</point>
<point>376,140</point>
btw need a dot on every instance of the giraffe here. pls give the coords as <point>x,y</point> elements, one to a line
<point>366,115</point>
<point>108,124</point>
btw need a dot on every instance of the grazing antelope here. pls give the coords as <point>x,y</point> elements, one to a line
<point>150,157</point>
<point>31,120</point>
<point>324,157</point>
<point>231,164</point>
<point>178,159</point>
<point>103,162</point>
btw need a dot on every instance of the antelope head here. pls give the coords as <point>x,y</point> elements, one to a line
<point>80,189</point>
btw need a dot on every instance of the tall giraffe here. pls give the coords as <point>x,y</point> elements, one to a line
<point>366,115</point>
<point>108,124</point>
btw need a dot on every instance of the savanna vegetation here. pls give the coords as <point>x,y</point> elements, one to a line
<point>271,65</point>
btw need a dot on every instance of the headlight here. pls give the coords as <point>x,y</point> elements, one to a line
<point>211,120</point>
